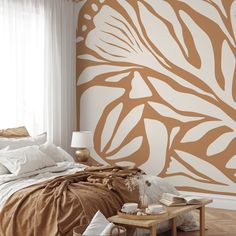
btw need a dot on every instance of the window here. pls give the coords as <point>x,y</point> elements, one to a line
<point>22,65</point>
<point>37,67</point>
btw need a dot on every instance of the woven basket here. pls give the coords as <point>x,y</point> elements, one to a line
<point>118,231</point>
<point>115,231</point>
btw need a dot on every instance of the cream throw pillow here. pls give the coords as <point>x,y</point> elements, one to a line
<point>67,156</point>
<point>15,143</point>
<point>107,230</point>
<point>56,153</point>
<point>24,160</point>
<point>97,225</point>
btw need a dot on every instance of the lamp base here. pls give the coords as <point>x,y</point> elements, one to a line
<point>82,155</point>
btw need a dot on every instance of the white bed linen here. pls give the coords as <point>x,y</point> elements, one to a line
<point>25,159</point>
<point>10,183</point>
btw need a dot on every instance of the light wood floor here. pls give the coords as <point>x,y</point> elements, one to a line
<point>219,222</point>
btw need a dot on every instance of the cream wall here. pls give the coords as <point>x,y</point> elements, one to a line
<point>156,83</point>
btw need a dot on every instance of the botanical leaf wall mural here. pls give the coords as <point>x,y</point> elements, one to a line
<point>156,83</point>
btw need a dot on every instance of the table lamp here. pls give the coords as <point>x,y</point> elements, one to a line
<point>82,140</point>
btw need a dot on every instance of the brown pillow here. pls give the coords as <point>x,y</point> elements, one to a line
<point>14,132</point>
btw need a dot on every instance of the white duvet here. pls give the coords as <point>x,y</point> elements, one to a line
<point>10,183</point>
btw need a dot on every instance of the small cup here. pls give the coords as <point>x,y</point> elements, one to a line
<point>154,209</point>
<point>130,207</point>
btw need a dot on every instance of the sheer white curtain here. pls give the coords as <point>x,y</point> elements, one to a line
<point>60,82</point>
<point>21,64</point>
<point>37,67</point>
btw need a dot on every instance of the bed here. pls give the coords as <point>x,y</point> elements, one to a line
<point>44,192</point>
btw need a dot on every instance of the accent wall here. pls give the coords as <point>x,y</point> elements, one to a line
<point>156,83</point>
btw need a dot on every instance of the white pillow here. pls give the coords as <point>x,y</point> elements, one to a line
<point>3,170</point>
<point>56,153</point>
<point>66,155</point>
<point>15,143</point>
<point>97,225</point>
<point>107,230</point>
<point>24,160</point>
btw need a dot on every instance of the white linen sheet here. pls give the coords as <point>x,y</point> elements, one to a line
<point>10,183</point>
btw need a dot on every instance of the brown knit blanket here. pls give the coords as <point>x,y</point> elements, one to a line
<point>54,207</point>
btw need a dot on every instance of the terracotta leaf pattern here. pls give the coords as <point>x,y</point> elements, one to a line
<point>156,83</point>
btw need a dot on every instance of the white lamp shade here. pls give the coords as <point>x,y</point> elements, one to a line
<point>82,139</point>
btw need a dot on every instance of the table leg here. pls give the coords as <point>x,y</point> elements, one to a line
<point>153,230</point>
<point>202,220</point>
<point>173,228</point>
